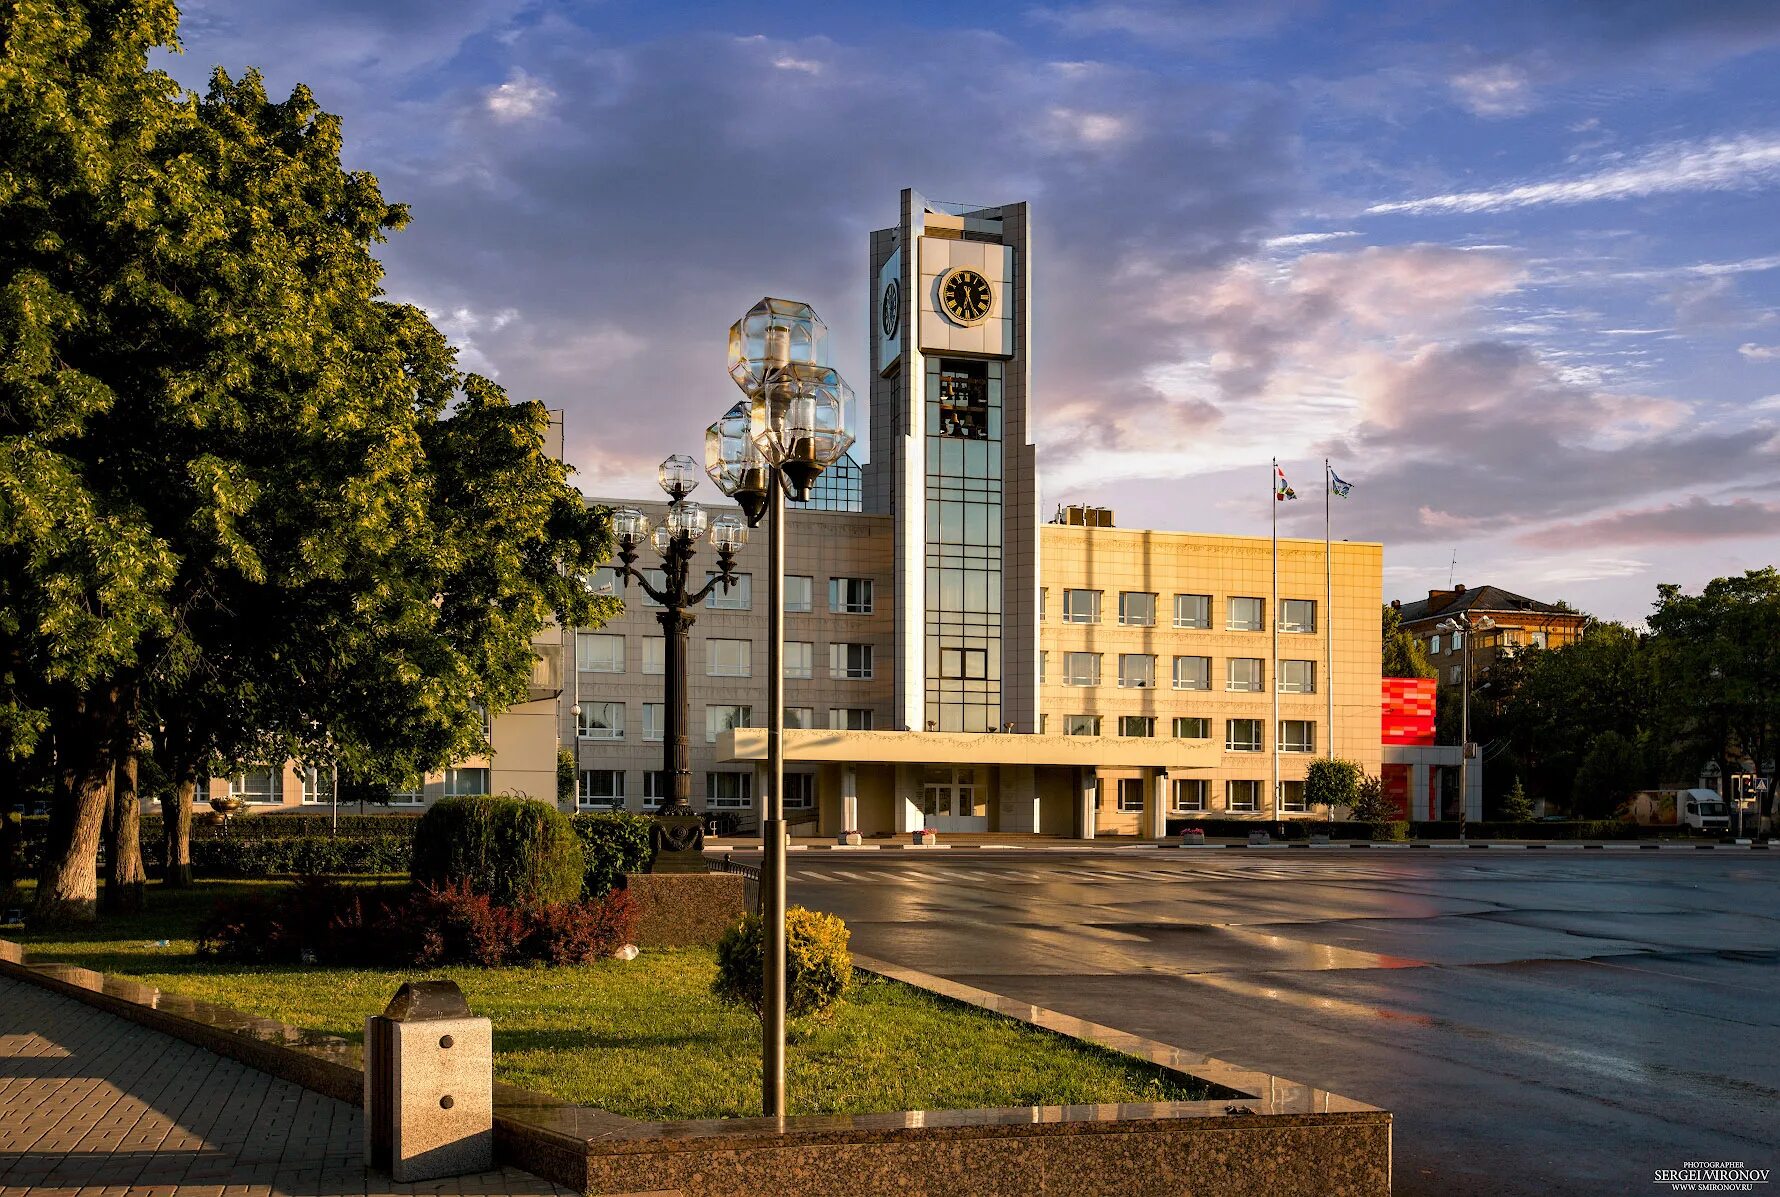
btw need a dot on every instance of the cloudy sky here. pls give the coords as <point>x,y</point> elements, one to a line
<point>1513,266</point>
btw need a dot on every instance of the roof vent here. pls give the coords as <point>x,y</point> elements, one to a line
<point>1458,588</point>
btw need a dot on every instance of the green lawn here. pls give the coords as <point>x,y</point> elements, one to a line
<point>645,1038</point>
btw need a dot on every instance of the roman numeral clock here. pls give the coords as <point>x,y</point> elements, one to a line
<point>965,295</point>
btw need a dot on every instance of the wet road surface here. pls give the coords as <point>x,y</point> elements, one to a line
<point>1537,1024</point>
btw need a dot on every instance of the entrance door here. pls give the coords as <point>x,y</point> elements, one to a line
<point>952,799</point>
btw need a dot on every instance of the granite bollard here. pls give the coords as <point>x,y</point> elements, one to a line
<point>429,1085</point>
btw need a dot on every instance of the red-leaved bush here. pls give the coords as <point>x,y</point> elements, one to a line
<point>323,922</point>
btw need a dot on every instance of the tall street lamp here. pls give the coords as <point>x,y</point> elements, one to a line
<point>789,427</point>
<point>677,837</point>
<point>1463,625</point>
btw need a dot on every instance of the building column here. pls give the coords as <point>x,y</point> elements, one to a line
<point>905,802</point>
<point>1418,791</point>
<point>1156,802</point>
<point>1084,803</point>
<point>849,829</point>
<point>1017,806</point>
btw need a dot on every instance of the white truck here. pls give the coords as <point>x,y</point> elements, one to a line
<point>1696,810</point>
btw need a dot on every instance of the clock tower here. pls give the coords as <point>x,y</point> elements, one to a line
<point>952,461</point>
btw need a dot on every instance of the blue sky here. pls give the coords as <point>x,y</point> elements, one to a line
<point>1515,267</point>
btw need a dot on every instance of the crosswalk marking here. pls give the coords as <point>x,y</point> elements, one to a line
<point>1155,875</point>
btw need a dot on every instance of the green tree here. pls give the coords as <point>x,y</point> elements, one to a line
<point>1369,804</point>
<point>565,778</point>
<point>1331,782</point>
<point>1404,654</point>
<point>249,505</point>
<point>1613,768</point>
<point>1516,806</point>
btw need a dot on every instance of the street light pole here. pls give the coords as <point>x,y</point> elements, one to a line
<point>775,444</point>
<point>1462,625</point>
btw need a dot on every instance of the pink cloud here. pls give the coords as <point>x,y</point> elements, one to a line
<point>1686,522</point>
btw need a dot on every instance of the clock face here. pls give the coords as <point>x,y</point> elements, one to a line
<point>966,295</point>
<point>890,316</point>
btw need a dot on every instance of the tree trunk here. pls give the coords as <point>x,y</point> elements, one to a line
<point>124,874</point>
<point>176,825</point>
<point>68,883</point>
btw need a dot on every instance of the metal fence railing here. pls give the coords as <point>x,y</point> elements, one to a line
<point>750,880</point>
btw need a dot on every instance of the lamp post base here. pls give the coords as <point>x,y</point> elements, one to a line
<point>677,844</point>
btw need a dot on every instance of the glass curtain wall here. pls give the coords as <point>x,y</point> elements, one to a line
<point>964,555</point>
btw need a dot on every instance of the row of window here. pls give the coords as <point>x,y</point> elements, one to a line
<point>606,720</point>
<point>724,789</point>
<point>265,784</point>
<point>1137,609</point>
<point>846,596</point>
<point>604,652</point>
<point>1240,735</point>
<point>1137,671</point>
<point>1190,795</point>
<point>1509,638</point>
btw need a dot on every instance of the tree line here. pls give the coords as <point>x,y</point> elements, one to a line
<point>1585,725</point>
<point>250,510</point>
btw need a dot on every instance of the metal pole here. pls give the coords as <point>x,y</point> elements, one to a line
<point>772,827</point>
<point>1272,680</point>
<point>1465,728</point>
<point>1328,617</point>
<point>676,623</point>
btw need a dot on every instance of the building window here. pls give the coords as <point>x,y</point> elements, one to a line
<point>604,581</point>
<point>597,652</point>
<point>969,663</point>
<point>1242,795</point>
<point>1297,677</point>
<point>1131,793</point>
<point>739,597</point>
<point>1192,610</point>
<point>658,578</point>
<point>849,718</point>
<point>461,783</point>
<point>1455,674</point>
<point>1242,673</point>
<point>1242,735</point>
<point>1081,606</point>
<point>1536,639</point>
<point>655,788</point>
<point>1081,725</point>
<point>849,596</point>
<point>1291,796</point>
<point>1511,637</point>
<point>1246,615</point>
<point>1189,794</point>
<point>719,719</point>
<point>600,787</point>
<point>964,400</point>
<point>849,661</point>
<point>1137,671</point>
<point>799,592</point>
<point>413,794</point>
<point>1081,669</point>
<point>261,783</point>
<point>1192,673</point>
<point>1044,666</point>
<point>800,791</point>
<point>800,658</point>
<point>654,654</point>
<point>1297,735</point>
<point>1297,615</point>
<point>804,717</point>
<point>1137,610</point>
<point>654,721</point>
<point>1044,595</point>
<point>318,785</point>
<point>601,721</point>
<point>729,658</point>
<point>729,791</point>
<point>1433,646</point>
<point>1192,727</point>
<point>1140,726</point>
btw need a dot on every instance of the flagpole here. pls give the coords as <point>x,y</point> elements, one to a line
<point>1328,612</point>
<point>1272,682</point>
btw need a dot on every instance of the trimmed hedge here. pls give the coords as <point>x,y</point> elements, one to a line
<point>818,967</point>
<point>251,859</point>
<point>514,851</point>
<point>265,825</point>
<point>613,843</point>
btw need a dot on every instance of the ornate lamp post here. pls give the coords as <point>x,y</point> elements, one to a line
<point>1462,625</point>
<point>790,426</point>
<point>677,839</point>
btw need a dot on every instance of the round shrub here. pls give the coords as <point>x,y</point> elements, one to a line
<point>513,851</point>
<point>818,967</point>
<point>615,843</point>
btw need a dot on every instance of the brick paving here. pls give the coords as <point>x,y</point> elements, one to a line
<point>96,1106</point>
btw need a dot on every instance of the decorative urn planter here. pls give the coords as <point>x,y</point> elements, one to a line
<point>225,805</point>
<point>1192,837</point>
<point>926,836</point>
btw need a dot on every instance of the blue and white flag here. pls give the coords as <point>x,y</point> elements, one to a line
<point>1338,486</point>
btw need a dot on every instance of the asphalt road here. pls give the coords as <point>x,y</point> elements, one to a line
<point>1538,1023</point>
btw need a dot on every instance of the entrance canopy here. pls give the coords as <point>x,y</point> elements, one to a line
<point>748,744</point>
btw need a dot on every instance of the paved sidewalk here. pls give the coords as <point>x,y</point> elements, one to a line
<point>94,1105</point>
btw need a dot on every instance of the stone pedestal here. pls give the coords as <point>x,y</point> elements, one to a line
<point>677,844</point>
<point>429,1086</point>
